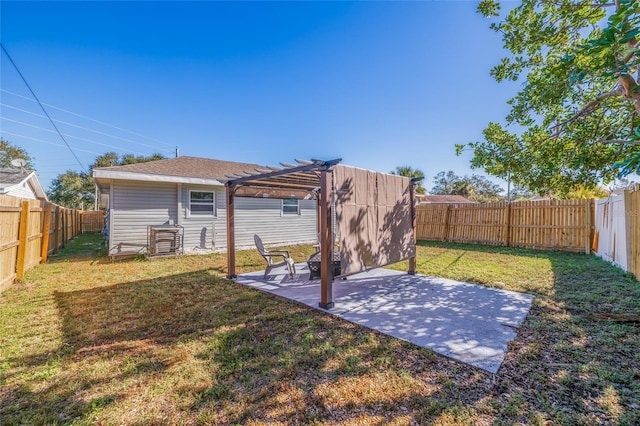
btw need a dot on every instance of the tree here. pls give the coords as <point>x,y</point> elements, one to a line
<point>585,193</point>
<point>518,193</point>
<point>449,183</point>
<point>576,120</point>
<point>9,152</point>
<point>410,172</point>
<point>72,190</point>
<point>76,190</point>
<point>476,188</point>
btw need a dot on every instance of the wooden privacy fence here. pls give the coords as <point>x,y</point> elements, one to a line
<point>92,221</point>
<point>551,224</point>
<point>30,230</point>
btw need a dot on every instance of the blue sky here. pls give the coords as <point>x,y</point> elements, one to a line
<point>378,84</point>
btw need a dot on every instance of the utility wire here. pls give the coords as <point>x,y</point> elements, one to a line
<point>83,128</point>
<point>67,135</point>
<point>47,142</point>
<point>170,147</point>
<point>42,107</point>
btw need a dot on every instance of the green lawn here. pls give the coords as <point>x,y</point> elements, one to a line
<point>86,341</point>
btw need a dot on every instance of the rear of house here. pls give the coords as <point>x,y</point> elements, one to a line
<point>186,197</point>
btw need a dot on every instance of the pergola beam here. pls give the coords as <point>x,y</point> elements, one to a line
<point>315,165</point>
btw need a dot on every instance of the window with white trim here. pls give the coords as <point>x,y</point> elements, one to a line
<point>202,203</point>
<point>290,206</point>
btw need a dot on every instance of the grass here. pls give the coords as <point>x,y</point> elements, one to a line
<point>86,341</point>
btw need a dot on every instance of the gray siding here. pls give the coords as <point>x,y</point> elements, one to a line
<point>253,216</point>
<point>134,206</point>
<point>264,217</point>
<point>22,191</point>
<point>204,232</point>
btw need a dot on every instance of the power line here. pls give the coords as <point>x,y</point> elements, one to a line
<point>68,135</point>
<point>83,128</point>
<point>4,132</point>
<point>91,119</point>
<point>42,107</point>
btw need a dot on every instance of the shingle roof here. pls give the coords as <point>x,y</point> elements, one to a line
<point>444,199</point>
<point>195,167</point>
<point>12,176</point>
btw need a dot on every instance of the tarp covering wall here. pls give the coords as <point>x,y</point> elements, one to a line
<point>373,212</point>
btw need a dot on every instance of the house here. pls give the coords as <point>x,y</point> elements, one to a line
<point>443,199</point>
<point>186,196</point>
<point>21,183</point>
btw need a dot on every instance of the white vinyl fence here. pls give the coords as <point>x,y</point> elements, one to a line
<point>612,239</point>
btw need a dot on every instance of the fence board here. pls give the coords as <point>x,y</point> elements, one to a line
<point>30,230</point>
<point>9,227</point>
<point>552,224</point>
<point>634,219</point>
<point>92,221</point>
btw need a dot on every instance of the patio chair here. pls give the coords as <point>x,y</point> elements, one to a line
<point>270,255</point>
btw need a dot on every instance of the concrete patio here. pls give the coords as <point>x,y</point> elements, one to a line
<point>466,322</point>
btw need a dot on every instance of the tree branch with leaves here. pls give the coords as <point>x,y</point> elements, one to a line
<point>575,120</point>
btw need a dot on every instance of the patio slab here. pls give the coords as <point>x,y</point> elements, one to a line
<point>466,322</point>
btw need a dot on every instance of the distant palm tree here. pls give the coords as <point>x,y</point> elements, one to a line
<point>410,172</point>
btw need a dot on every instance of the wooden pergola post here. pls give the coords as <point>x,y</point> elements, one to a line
<point>326,246</point>
<point>231,237</point>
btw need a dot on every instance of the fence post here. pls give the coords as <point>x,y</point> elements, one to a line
<point>56,230</point>
<point>22,239</point>
<point>445,232</point>
<point>63,217</point>
<point>587,226</point>
<point>507,237</point>
<point>46,229</point>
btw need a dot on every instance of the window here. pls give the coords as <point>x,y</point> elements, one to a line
<point>290,207</point>
<point>202,203</point>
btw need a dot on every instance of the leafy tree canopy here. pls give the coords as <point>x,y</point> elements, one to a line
<point>575,122</point>
<point>76,190</point>
<point>476,188</point>
<point>586,193</point>
<point>410,172</point>
<point>9,152</point>
<point>72,190</point>
<point>518,193</point>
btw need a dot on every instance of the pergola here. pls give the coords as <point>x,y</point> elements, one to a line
<point>304,180</point>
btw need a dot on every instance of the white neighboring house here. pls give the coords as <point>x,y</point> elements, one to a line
<point>189,193</point>
<point>21,183</point>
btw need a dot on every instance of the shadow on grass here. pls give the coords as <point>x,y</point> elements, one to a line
<point>194,348</point>
<point>591,365</point>
<point>260,358</point>
<point>566,366</point>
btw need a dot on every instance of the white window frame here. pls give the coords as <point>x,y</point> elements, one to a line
<point>282,205</point>
<point>213,203</point>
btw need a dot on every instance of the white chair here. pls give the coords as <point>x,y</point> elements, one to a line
<point>270,255</point>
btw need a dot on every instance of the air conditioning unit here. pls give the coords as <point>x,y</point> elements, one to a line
<point>164,240</point>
